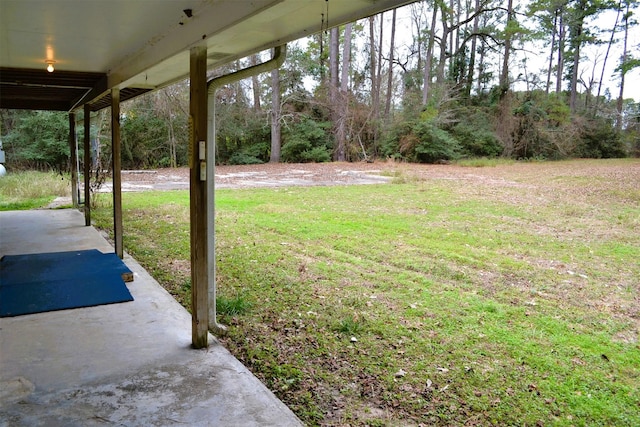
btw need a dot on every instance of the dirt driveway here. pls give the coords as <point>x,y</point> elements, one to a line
<point>265,175</point>
<point>341,173</point>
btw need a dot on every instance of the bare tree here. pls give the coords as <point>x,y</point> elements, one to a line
<point>606,56</point>
<point>334,103</point>
<point>504,75</point>
<point>276,129</point>
<point>554,33</point>
<point>577,30</point>
<point>624,67</point>
<point>427,66</point>
<point>387,106</point>
<point>255,84</point>
<point>472,54</point>
<point>375,89</point>
<point>343,98</point>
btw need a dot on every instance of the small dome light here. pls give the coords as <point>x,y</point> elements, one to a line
<point>50,65</point>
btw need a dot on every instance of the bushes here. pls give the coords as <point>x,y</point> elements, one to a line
<point>250,155</point>
<point>435,144</point>
<point>421,141</point>
<point>600,140</point>
<point>475,135</point>
<point>306,141</point>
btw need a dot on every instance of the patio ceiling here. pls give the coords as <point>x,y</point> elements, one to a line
<point>142,45</point>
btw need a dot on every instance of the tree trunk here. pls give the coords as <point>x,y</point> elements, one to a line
<point>334,102</point>
<point>173,161</point>
<point>472,54</point>
<point>379,70</point>
<point>346,58</point>
<point>606,56</point>
<point>456,45</point>
<point>334,46</point>
<point>446,30</point>
<point>375,92</point>
<point>482,52</point>
<point>276,130</point>
<point>255,84</point>
<point>623,69</point>
<point>387,106</point>
<point>553,50</point>
<point>343,97</point>
<point>429,57</point>
<point>416,19</point>
<point>321,58</point>
<point>504,75</point>
<point>451,33</point>
<point>576,42</point>
<point>561,39</point>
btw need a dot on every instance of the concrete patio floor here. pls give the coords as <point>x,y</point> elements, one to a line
<point>128,364</point>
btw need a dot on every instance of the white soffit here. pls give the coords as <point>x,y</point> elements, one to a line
<point>145,43</point>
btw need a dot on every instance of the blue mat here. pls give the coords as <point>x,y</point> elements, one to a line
<point>36,283</point>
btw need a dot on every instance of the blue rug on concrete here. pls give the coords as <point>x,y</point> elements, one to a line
<point>36,283</point>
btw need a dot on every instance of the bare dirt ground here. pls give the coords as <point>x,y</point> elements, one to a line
<point>585,175</point>
<point>265,175</point>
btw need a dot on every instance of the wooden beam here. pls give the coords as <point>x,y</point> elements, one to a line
<point>73,149</point>
<point>116,164</point>
<point>87,165</point>
<point>198,197</point>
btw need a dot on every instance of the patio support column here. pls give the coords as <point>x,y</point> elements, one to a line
<point>73,149</point>
<point>116,164</point>
<point>198,196</point>
<point>87,165</point>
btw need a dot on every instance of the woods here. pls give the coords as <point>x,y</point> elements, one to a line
<point>434,81</point>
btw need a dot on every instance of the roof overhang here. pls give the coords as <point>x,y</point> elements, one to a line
<point>142,45</point>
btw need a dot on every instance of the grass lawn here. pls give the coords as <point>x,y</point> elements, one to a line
<point>506,295</point>
<point>31,189</point>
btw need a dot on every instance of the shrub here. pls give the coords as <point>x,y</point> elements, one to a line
<point>476,141</point>
<point>600,140</point>
<point>306,142</point>
<point>250,155</point>
<point>435,144</point>
<point>244,159</point>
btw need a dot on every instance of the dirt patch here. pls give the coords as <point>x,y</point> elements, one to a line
<point>265,175</point>
<point>518,176</point>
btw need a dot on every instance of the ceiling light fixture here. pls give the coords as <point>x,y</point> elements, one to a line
<point>50,65</point>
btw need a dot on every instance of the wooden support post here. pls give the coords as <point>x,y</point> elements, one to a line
<point>87,165</point>
<point>73,149</point>
<point>116,164</point>
<point>198,197</point>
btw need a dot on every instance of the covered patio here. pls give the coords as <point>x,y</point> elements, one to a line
<point>145,362</point>
<point>125,364</point>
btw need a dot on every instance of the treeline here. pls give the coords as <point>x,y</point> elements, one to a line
<point>434,81</point>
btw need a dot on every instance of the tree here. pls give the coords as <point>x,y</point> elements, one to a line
<point>609,44</point>
<point>343,97</point>
<point>334,94</point>
<point>579,36</point>
<point>276,127</point>
<point>255,84</point>
<point>509,30</point>
<point>627,62</point>
<point>37,140</point>
<point>387,106</point>
<point>472,53</point>
<point>429,55</point>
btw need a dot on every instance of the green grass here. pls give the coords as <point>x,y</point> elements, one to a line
<point>31,189</point>
<point>471,302</point>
